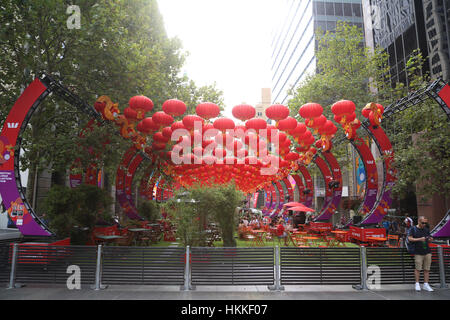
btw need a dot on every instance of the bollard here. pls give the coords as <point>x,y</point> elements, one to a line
<point>12,277</point>
<point>363,285</point>
<point>187,272</point>
<point>98,270</point>
<point>277,285</point>
<point>442,284</point>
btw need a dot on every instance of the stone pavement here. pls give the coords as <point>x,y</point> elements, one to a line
<point>387,292</point>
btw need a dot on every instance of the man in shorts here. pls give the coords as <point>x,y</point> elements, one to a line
<point>419,236</point>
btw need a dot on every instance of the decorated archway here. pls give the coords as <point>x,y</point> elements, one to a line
<point>215,155</point>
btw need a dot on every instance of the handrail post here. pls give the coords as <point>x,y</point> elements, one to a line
<point>277,286</point>
<point>12,277</point>
<point>98,270</point>
<point>442,284</point>
<point>363,285</point>
<point>187,272</point>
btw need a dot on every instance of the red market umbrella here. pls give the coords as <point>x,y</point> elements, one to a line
<point>292,204</point>
<point>302,208</point>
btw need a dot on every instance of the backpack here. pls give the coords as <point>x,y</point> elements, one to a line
<point>411,247</point>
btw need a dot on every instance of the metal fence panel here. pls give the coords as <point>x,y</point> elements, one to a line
<point>49,264</point>
<point>397,265</point>
<point>232,266</point>
<point>320,266</point>
<point>143,265</point>
<point>5,264</point>
<point>446,252</point>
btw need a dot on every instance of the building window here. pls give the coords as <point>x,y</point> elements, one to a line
<point>329,9</point>
<point>339,9</point>
<point>357,10</point>
<point>348,10</point>
<point>320,8</point>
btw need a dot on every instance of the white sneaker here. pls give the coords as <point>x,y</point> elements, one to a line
<point>417,286</point>
<point>427,287</point>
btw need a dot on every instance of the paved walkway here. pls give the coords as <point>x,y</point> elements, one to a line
<point>387,292</point>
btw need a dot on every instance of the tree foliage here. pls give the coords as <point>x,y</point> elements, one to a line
<point>348,70</point>
<point>79,208</point>
<point>198,205</point>
<point>121,49</point>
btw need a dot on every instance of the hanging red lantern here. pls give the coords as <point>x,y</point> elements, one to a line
<point>190,120</point>
<point>256,124</point>
<point>177,125</point>
<point>174,107</point>
<point>207,110</point>
<point>277,112</point>
<point>140,104</point>
<point>243,112</point>
<point>224,124</point>
<point>287,124</point>
<point>158,137</point>
<point>298,130</point>
<point>162,119</point>
<point>310,110</point>
<point>167,132</point>
<point>343,108</point>
<point>130,115</point>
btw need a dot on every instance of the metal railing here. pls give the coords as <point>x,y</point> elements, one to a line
<point>190,267</point>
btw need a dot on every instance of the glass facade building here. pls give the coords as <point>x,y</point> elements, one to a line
<point>294,43</point>
<point>402,26</point>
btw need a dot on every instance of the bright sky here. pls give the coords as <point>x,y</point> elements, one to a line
<point>228,43</point>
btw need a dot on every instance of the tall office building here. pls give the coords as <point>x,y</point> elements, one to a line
<point>266,97</point>
<point>294,41</point>
<point>402,26</point>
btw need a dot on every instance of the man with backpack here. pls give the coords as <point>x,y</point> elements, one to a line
<point>418,244</point>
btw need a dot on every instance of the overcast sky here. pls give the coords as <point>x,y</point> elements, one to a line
<point>228,43</point>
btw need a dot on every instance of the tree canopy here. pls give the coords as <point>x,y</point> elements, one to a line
<point>120,49</point>
<point>347,70</point>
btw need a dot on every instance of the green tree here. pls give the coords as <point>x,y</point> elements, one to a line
<point>120,50</point>
<point>71,210</point>
<point>193,208</point>
<point>348,70</point>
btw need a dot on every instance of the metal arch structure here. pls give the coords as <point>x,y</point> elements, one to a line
<point>336,188</point>
<point>11,190</point>
<point>124,176</point>
<point>309,191</point>
<point>328,178</point>
<point>14,200</point>
<point>300,188</point>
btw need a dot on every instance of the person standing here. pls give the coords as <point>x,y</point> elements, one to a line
<point>419,236</point>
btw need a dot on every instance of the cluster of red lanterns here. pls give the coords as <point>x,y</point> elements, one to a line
<point>373,112</point>
<point>207,149</point>
<point>344,113</point>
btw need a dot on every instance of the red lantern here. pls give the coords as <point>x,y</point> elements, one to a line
<point>224,124</point>
<point>343,108</point>
<point>167,132</point>
<point>130,114</point>
<point>174,107</point>
<point>158,137</point>
<point>298,130</point>
<point>140,104</point>
<point>162,119</point>
<point>277,112</point>
<point>190,120</point>
<point>243,112</point>
<point>207,110</point>
<point>256,124</point>
<point>287,124</point>
<point>177,125</point>
<point>310,110</point>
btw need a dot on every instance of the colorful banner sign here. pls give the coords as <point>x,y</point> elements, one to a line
<point>24,218</point>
